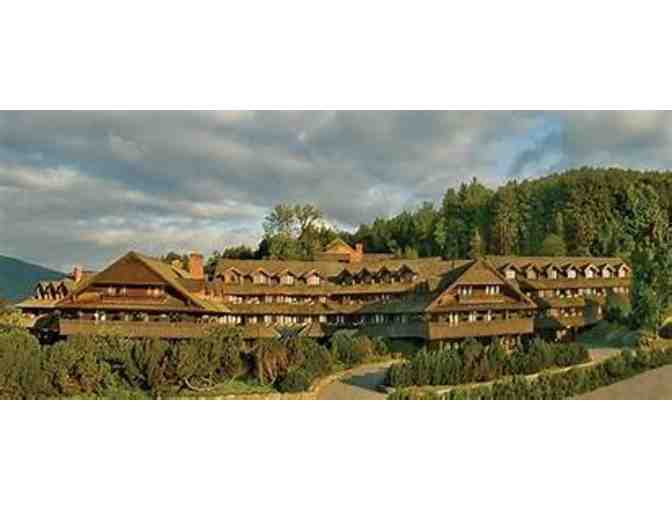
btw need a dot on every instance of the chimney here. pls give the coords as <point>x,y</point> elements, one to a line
<point>357,257</point>
<point>196,266</point>
<point>77,273</point>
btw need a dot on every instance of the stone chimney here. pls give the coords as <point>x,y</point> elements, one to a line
<point>196,266</point>
<point>77,273</point>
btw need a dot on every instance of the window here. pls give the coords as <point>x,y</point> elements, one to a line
<point>314,279</point>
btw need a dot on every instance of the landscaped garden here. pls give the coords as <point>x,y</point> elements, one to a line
<point>223,363</point>
<point>561,384</point>
<point>472,362</point>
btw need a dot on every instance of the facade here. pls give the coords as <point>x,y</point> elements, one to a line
<point>431,299</point>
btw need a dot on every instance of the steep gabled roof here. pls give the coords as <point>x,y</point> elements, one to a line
<point>482,272</point>
<point>337,246</point>
<point>169,274</point>
<point>588,265</point>
<point>510,265</point>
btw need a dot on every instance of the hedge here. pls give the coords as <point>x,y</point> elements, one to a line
<point>554,386</point>
<point>472,362</point>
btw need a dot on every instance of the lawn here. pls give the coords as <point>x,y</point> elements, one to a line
<point>236,386</point>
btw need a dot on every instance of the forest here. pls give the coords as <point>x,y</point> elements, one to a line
<point>583,212</point>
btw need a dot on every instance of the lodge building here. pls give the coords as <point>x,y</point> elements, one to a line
<point>431,299</point>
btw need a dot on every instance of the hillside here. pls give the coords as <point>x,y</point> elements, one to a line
<point>17,278</point>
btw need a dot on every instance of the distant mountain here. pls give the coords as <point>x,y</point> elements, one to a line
<point>18,278</point>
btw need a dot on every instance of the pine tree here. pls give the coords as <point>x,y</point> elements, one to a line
<point>476,245</point>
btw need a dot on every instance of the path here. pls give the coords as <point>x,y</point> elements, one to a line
<point>362,384</point>
<point>652,385</point>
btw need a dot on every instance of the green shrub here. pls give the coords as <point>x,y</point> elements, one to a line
<point>308,354</point>
<point>566,355</point>
<point>554,386</point>
<point>351,350</point>
<point>380,347</point>
<point>296,381</point>
<point>21,366</point>
<point>74,367</point>
<point>471,362</point>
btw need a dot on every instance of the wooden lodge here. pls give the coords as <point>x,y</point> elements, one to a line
<point>506,298</point>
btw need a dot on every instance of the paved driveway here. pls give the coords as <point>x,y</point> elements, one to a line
<point>651,385</point>
<point>360,385</point>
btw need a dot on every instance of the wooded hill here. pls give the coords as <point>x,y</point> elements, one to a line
<point>587,211</point>
<point>583,212</point>
<point>18,278</point>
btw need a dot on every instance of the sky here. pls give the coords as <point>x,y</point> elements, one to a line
<point>85,187</point>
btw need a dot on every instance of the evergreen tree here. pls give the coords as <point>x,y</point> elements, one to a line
<point>476,246</point>
<point>506,222</point>
<point>553,246</point>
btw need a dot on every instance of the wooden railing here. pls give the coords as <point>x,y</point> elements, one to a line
<point>441,330</point>
<point>134,329</point>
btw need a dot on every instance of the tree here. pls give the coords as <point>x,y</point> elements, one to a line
<point>648,227</point>
<point>476,246</point>
<point>295,231</point>
<point>172,257</point>
<point>651,290</point>
<point>506,221</point>
<point>271,360</point>
<point>21,366</point>
<point>553,246</point>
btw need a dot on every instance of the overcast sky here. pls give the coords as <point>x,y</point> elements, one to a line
<point>85,187</point>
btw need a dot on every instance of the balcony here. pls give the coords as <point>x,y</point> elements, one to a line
<point>445,330</point>
<point>133,329</point>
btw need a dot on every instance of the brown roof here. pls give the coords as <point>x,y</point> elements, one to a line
<point>481,272</point>
<point>574,283</point>
<point>171,275</point>
<point>424,267</point>
<point>500,261</point>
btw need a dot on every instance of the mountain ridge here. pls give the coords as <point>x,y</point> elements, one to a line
<point>18,277</point>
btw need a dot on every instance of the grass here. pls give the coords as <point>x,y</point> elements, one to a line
<point>236,386</point>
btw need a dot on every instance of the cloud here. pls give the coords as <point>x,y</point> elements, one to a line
<point>87,186</point>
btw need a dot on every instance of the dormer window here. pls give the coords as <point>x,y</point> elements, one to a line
<point>313,280</point>
<point>589,272</point>
<point>287,279</point>
<point>510,274</point>
<point>260,278</point>
<point>571,273</point>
